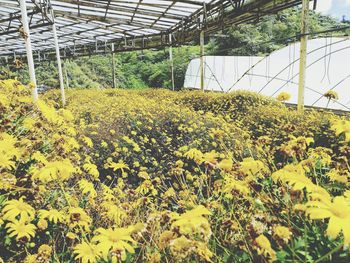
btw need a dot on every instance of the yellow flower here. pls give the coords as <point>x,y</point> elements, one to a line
<point>4,101</point>
<point>226,165</point>
<point>91,169</point>
<point>42,224</point>
<point>6,161</point>
<point>193,221</point>
<point>29,123</point>
<point>66,114</point>
<point>144,175</point>
<point>154,257</point>
<point>14,208</point>
<point>347,195</point>
<point>88,142</point>
<point>52,215</point>
<point>250,166</point>
<point>232,186</point>
<point>45,251</point>
<point>8,151</point>
<point>195,155</point>
<point>338,212</point>
<point>294,175</point>
<point>39,157</point>
<point>87,188</point>
<point>331,94</point>
<point>57,170</point>
<point>300,207</point>
<point>147,187</point>
<point>211,157</point>
<point>321,155</point>
<point>203,251</point>
<point>170,193</point>
<point>49,113</point>
<point>181,247</point>
<point>78,217</point>
<point>334,175</point>
<point>71,235</point>
<point>87,252</point>
<point>341,127</point>
<point>118,166</point>
<point>21,229</point>
<point>282,233</point>
<point>114,239</point>
<point>7,181</point>
<point>283,96</point>
<point>30,259</point>
<point>114,213</point>
<point>296,146</point>
<point>264,248</point>
<point>165,239</point>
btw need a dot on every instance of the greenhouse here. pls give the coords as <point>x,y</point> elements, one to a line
<point>174,131</point>
<point>278,72</point>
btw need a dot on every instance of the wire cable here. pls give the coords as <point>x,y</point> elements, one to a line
<point>319,93</point>
<point>296,60</point>
<point>340,82</point>
<point>311,65</point>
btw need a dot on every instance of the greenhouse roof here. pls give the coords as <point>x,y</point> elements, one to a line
<point>89,27</point>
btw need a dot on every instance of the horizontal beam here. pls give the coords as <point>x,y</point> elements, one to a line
<point>84,32</point>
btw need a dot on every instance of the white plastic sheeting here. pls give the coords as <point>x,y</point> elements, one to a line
<point>220,72</point>
<point>328,68</point>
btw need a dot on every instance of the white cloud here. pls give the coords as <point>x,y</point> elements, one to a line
<point>324,6</point>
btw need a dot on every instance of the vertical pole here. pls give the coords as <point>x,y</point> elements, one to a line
<point>113,67</point>
<point>59,63</point>
<point>66,75</point>
<point>29,51</point>
<point>171,61</point>
<point>202,59</point>
<point>303,53</point>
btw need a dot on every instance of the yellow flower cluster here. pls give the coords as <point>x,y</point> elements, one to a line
<point>157,176</point>
<point>283,96</point>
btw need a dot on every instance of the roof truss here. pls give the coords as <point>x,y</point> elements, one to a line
<point>87,27</point>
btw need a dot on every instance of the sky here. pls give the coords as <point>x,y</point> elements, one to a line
<point>335,8</point>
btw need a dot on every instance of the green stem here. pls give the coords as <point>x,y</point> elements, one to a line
<point>329,253</point>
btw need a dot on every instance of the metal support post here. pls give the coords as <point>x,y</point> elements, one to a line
<point>66,75</point>
<point>303,53</point>
<point>202,72</point>
<point>113,67</point>
<point>59,63</point>
<point>27,40</point>
<point>171,61</point>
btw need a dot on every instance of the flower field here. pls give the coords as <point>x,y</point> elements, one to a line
<point>161,176</point>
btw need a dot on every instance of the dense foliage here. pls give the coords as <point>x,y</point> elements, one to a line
<point>157,176</point>
<point>270,33</point>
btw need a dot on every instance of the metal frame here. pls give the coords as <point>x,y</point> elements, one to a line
<point>87,27</point>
